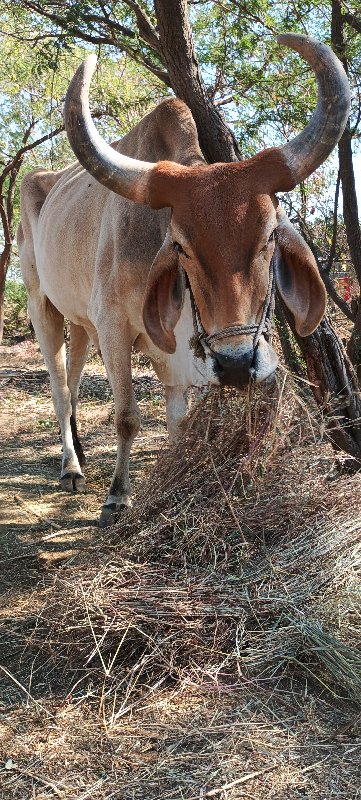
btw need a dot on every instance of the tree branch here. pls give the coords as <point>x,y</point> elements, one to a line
<point>331,255</point>
<point>71,29</point>
<point>5,221</point>
<point>340,302</point>
<point>146,30</point>
<point>25,149</point>
<point>10,197</point>
<point>66,22</point>
<point>352,20</point>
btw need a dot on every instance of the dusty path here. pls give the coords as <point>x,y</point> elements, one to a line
<point>32,508</point>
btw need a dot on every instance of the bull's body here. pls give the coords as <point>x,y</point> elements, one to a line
<point>101,248</point>
<point>85,255</point>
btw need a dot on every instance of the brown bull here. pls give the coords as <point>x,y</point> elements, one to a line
<point>153,249</point>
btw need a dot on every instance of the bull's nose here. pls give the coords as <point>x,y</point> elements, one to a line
<point>241,366</point>
<point>234,371</point>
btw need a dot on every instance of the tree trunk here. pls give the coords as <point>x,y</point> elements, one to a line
<point>350,207</point>
<point>4,263</point>
<point>335,387</point>
<point>291,355</point>
<point>353,233</point>
<point>216,140</point>
<point>354,344</point>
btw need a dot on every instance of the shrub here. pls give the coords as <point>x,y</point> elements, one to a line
<point>16,320</point>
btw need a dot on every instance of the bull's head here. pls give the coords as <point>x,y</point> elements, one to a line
<point>227,232</point>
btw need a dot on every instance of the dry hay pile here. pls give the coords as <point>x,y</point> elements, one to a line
<point>225,608</point>
<point>242,545</point>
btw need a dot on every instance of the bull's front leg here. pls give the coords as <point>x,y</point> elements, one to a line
<point>177,406</point>
<point>116,354</point>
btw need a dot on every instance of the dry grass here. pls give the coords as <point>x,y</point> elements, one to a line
<point>208,645</point>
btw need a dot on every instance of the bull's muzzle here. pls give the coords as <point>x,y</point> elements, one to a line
<point>241,365</point>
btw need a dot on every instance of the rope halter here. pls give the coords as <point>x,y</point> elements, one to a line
<point>201,342</point>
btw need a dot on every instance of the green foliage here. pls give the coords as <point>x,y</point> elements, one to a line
<point>35,71</point>
<point>266,92</point>
<point>269,91</point>
<point>15,310</point>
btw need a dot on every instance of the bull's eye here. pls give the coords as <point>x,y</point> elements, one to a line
<point>179,249</point>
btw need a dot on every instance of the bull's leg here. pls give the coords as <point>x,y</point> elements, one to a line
<point>79,346</point>
<point>176,409</point>
<point>127,421</point>
<point>49,328</point>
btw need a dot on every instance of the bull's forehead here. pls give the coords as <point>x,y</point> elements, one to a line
<point>223,218</point>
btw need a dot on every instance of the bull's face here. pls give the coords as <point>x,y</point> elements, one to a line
<point>224,233</point>
<point>226,224</point>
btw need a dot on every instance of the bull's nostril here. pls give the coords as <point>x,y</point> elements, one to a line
<point>240,361</point>
<point>218,369</point>
<point>244,366</point>
<point>233,371</point>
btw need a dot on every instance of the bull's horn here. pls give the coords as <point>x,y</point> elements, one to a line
<point>126,176</point>
<point>314,144</point>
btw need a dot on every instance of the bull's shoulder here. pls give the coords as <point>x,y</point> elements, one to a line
<point>167,133</point>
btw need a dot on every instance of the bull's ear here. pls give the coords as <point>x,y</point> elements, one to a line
<point>164,297</point>
<point>298,279</point>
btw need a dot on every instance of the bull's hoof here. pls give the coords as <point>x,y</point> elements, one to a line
<point>110,514</point>
<point>72,482</point>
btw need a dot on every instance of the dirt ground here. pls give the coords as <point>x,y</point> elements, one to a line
<point>32,508</point>
<point>42,528</point>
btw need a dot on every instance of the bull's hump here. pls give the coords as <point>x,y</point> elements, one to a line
<point>167,133</point>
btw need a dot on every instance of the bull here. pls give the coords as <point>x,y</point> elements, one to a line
<point>143,245</point>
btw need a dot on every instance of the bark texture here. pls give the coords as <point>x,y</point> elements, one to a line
<point>175,35</point>
<point>4,262</point>
<point>350,205</point>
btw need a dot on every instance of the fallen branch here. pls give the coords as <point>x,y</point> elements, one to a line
<point>237,782</point>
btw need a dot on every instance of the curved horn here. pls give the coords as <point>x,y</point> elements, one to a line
<point>125,176</point>
<point>314,144</point>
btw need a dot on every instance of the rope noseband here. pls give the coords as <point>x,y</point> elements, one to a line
<point>201,342</point>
